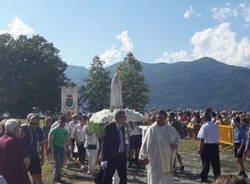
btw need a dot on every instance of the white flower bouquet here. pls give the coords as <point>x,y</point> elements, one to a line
<point>102,117</point>
<point>105,116</point>
<point>132,116</point>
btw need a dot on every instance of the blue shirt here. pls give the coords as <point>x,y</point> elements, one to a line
<point>121,146</point>
<point>31,139</point>
<point>248,139</point>
<point>239,135</point>
<point>246,128</point>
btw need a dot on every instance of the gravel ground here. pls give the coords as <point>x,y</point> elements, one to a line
<point>192,170</point>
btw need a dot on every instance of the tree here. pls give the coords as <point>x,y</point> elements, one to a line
<point>134,88</point>
<point>97,89</point>
<point>31,73</point>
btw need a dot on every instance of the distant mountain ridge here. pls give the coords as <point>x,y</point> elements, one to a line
<point>197,84</point>
<point>76,74</point>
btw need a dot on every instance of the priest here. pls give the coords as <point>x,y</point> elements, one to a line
<point>158,151</point>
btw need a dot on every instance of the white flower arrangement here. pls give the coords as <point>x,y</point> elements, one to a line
<point>133,116</point>
<point>102,117</point>
<point>106,116</point>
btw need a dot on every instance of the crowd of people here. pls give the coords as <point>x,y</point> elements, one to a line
<point>191,120</point>
<point>67,137</point>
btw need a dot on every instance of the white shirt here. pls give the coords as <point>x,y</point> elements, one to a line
<point>66,126</point>
<point>134,131</point>
<point>56,124</point>
<point>90,138</point>
<point>72,126</point>
<point>2,180</point>
<point>209,132</point>
<point>80,133</point>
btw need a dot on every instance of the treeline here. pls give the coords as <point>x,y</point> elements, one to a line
<point>32,71</point>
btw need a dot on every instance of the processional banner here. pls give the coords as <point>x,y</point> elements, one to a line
<point>69,99</point>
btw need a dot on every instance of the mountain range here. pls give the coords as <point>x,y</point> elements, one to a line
<point>198,84</point>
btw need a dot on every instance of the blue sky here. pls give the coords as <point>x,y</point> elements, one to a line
<point>155,31</point>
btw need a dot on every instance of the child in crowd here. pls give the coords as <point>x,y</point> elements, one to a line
<point>239,145</point>
<point>46,129</point>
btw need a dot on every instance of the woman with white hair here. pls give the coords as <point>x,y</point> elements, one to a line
<point>14,159</point>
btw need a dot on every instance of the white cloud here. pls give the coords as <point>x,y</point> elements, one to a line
<point>17,27</point>
<point>220,43</point>
<point>173,57</point>
<point>111,56</point>
<point>114,54</point>
<point>224,13</point>
<point>230,11</point>
<point>245,11</point>
<point>127,45</point>
<point>188,13</point>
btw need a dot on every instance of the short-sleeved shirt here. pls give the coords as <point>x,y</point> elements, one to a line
<point>209,132</point>
<point>12,168</point>
<point>54,125</point>
<point>80,133</point>
<point>72,126</point>
<point>31,139</point>
<point>60,136</point>
<point>239,135</point>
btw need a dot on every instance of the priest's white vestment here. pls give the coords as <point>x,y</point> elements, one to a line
<point>156,148</point>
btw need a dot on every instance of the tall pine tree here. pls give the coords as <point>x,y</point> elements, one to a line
<point>134,88</point>
<point>97,89</point>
